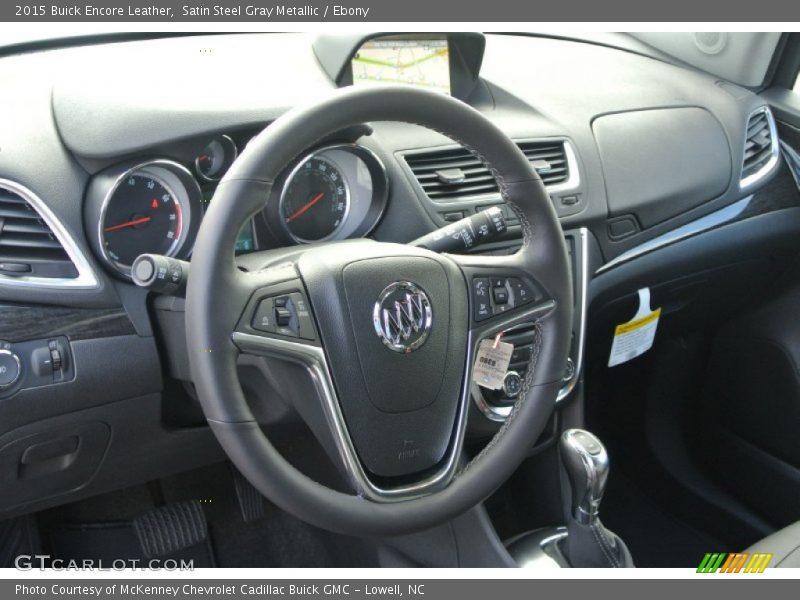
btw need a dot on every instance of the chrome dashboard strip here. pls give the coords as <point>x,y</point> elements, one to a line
<point>580,333</point>
<point>86,279</point>
<point>710,221</point>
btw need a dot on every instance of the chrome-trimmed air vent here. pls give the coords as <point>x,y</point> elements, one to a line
<point>35,248</point>
<point>761,147</point>
<point>454,173</point>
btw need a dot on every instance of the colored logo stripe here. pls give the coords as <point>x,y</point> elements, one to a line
<point>735,562</point>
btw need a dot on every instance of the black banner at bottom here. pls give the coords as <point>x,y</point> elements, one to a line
<point>365,589</point>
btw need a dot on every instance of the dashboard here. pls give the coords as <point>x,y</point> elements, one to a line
<point>116,150</point>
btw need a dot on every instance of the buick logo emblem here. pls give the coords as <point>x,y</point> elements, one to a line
<point>402,316</point>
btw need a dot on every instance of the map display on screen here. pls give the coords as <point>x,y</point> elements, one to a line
<point>421,63</point>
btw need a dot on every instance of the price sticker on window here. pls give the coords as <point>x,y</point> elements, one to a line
<point>491,363</point>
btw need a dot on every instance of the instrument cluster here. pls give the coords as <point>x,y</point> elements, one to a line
<point>156,206</point>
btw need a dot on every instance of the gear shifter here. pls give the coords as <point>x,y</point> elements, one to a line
<point>586,463</point>
<point>588,544</point>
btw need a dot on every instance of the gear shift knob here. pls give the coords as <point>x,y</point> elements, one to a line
<point>586,462</point>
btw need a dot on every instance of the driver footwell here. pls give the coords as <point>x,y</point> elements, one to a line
<point>198,516</point>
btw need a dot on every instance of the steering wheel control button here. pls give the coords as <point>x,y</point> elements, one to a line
<point>500,295</point>
<point>523,293</point>
<point>480,298</point>
<point>264,319</point>
<point>497,295</point>
<point>512,384</point>
<point>283,316</point>
<point>305,323</point>
<point>286,314</point>
<point>10,368</point>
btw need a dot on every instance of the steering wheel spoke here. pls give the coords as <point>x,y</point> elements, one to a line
<point>278,324</point>
<point>321,411</point>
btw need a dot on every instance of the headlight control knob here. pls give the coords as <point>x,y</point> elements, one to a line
<point>10,368</point>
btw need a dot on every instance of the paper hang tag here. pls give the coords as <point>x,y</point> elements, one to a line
<point>635,337</point>
<point>491,363</point>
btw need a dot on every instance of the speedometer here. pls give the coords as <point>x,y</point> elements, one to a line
<point>315,200</point>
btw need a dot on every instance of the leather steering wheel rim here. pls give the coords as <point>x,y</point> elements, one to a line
<point>212,311</point>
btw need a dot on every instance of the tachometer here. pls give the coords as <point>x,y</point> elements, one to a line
<point>315,200</point>
<point>147,208</point>
<point>143,215</point>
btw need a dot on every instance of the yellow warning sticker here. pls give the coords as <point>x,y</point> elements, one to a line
<point>637,323</point>
<point>635,337</point>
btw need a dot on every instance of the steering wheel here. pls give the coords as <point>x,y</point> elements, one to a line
<point>387,333</point>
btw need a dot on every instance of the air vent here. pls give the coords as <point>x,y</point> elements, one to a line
<point>760,147</point>
<point>455,173</point>
<point>31,253</point>
<point>549,160</point>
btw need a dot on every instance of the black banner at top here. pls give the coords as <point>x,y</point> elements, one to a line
<point>446,11</point>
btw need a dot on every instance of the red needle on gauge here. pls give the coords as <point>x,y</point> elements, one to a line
<point>305,207</point>
<point>132,223</point>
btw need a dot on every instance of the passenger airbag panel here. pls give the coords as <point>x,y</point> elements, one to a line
<point>661,163</point>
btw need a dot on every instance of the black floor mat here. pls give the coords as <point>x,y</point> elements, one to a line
<point>654,537</point>
<point>276,540</point>
<point>112,543</point>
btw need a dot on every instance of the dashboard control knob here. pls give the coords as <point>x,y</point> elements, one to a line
<point>161,274</point>
<point>512,384</point>
<point>10,368</point>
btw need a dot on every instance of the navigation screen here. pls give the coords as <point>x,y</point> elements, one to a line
<point>421,63</point>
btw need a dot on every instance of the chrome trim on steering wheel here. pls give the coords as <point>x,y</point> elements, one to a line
<point>315,362</point>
